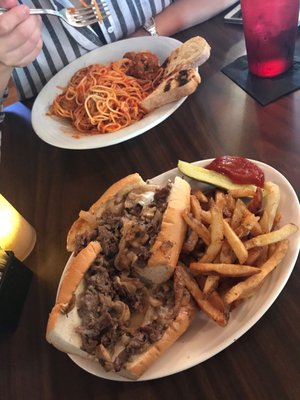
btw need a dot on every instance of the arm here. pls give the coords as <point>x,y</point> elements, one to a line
<point>183,14</point>
<point>20,39</point>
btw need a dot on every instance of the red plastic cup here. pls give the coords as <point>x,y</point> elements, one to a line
<point>270,28</point>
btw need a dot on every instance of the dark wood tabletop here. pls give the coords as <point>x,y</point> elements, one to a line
<point>49,185</point>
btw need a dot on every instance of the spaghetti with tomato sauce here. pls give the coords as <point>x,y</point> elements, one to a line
<point>106,98</point>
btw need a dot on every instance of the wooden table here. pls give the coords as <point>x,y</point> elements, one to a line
<point>50,185</point>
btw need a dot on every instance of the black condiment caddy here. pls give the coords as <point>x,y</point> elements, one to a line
<point>15,279</point>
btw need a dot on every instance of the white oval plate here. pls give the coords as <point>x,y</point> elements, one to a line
<point>59,132</point>
<point>204,337</point>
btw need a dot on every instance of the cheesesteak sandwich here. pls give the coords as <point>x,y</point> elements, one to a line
<point>121,301</point>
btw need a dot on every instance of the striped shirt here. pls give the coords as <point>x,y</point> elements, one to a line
<point>63,43</point>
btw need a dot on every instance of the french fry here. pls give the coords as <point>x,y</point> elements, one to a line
<point>272,200</point>
<point>246,225</point>
<point>198,212</point>
<point>214,313</point>
<point>262,258</point>
<point>236,244</point>
<point>217,238</point>
<point>226,255</point>
<point>216,234</point>
<point>210,285</point>
<point>230,203</point>
<point>220,200</point>
<point>200,196</point>
<point>243,220</point>
<point>238,193</point>
<point>271,237</point>
<point>218,302</point>
<point>227,270</point>
<point>238,214</point>
<point>205,216</point>
<point>256,204</point>
<point>201,280</point>
<point>277,220</point>
<point>190,242</point>
<point>240,245</point>
<point>197,226</point>
<point>253,256</point>
<point>195,207</point>
<point>247,287</point>
<point>256,230</point>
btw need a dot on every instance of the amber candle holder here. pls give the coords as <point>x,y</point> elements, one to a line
<point>16,234</point>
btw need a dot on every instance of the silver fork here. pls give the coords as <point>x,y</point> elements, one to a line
<point>77,17</point>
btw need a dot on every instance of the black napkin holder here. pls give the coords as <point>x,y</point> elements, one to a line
<point>15,279</point>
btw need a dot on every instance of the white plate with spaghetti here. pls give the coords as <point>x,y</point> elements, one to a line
<point>59,132</point>
<point>205,338</point>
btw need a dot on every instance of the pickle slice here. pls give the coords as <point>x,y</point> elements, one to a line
<point>211,177</point>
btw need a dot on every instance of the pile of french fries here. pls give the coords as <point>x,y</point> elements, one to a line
<point>233,243</point>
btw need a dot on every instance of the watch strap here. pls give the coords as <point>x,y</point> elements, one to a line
<point>150,27</point>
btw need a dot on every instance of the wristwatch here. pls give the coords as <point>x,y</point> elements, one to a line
<point>150,27</point>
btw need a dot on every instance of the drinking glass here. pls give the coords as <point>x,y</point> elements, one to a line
<point>270,28</point>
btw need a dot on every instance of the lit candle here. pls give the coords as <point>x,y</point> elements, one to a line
<point>16,234</point>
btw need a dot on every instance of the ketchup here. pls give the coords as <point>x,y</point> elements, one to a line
<point>238,169</point>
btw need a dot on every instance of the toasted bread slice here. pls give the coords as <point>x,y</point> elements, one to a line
<point>191,54</point>
<point>175,87</point>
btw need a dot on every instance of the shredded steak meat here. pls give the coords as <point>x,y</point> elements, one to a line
<point>105,308</point>
<point>115,306</point>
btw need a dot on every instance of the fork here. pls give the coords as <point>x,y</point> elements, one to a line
<point>77,17</point>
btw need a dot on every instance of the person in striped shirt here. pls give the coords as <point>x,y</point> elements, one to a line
<point>33,49</point>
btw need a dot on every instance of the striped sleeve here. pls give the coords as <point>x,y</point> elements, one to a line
<point>129,15</point>
<point>63,43</point>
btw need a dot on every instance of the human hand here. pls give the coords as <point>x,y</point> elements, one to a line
<point>20,35</point>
